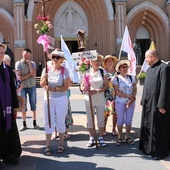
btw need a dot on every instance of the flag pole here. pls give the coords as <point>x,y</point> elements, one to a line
<point>45,59</point>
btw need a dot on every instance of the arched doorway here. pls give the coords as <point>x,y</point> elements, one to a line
<point>73,46</point>
<point>156,22</point>
<point>142,43</point>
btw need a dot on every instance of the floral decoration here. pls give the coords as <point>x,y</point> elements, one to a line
<point>44,25</point>
<point>83,65</point>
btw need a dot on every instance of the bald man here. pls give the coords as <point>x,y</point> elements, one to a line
<point>155,122</point>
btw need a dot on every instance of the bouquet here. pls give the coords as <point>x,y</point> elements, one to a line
<point>83,65</point>
<point>44,25</point>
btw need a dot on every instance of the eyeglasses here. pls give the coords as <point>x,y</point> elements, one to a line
<point>56,57</point>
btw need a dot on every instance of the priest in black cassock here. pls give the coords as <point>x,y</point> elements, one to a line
<point>155,122</point>
<point>10,146</point>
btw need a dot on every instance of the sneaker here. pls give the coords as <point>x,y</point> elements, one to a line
<point>37,127</point>
<point>90,143</point>
<point>23,128</point>
<point>101,142</point>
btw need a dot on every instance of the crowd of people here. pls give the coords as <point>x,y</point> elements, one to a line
<point>108,90</point>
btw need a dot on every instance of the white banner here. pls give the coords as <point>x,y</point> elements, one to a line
<point>91,55</point>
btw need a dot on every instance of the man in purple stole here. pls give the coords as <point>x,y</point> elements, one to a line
<point>10,146</point>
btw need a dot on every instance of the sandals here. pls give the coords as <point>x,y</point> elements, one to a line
<point>102,143</point>
<point>130,141</point>
<point>55,137</point>
<point>114,132</point>
<point>67,136</point>
<point>90,143</point>
<point>60,149</point>
<point>47,151</point>
<point>119,142</point>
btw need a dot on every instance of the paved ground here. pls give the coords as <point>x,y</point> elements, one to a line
<point>77,156</point>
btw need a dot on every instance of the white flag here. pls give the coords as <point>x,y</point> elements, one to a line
<point>70,64</point>
<point>144,67</point>
<point>127,47</point>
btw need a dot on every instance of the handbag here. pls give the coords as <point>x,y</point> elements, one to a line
<point>108,95</point>
<point>21,102</point>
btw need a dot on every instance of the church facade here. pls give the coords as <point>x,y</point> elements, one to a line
<point>103,21</point>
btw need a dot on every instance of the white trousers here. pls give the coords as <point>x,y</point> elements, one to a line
<point>58,112</point>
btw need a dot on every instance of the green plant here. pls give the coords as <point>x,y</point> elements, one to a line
<point>141,75</point>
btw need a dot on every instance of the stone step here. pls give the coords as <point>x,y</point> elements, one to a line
<point>37,79</point>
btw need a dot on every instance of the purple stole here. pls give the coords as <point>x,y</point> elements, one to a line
<point>5,98</point>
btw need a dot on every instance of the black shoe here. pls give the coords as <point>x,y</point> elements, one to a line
<point>11,161</point>
<point>158,157</point>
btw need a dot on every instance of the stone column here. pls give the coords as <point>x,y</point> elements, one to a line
<point>19,26</point>
<point>120,20</point>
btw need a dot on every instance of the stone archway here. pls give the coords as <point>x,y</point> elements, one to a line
<point>6,27</point>
<point>154,20</point>
<point>7,32</point>
<point>107,3</point>
<point>103,43</point>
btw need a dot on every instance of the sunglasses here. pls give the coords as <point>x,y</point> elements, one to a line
<point>56,57</point>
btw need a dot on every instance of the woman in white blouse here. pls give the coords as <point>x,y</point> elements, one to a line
<point>98,84</point>
<point>125,87</point>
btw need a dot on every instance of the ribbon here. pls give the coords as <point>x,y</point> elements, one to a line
<point>46,41</point>
<point>87,79</point>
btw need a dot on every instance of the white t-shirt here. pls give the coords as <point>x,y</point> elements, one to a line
<point>56,79</point>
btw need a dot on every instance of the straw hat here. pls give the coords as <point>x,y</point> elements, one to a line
<point>3,45</point>
<point>122,62</point>
<point>56,52</point>
<point>100,56</point>
<point>109,56</point>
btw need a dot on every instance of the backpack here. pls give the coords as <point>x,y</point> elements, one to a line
<point>107,92</point>
<point>127,75</point>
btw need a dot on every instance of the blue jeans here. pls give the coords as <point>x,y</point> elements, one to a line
<point>32,97</point>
